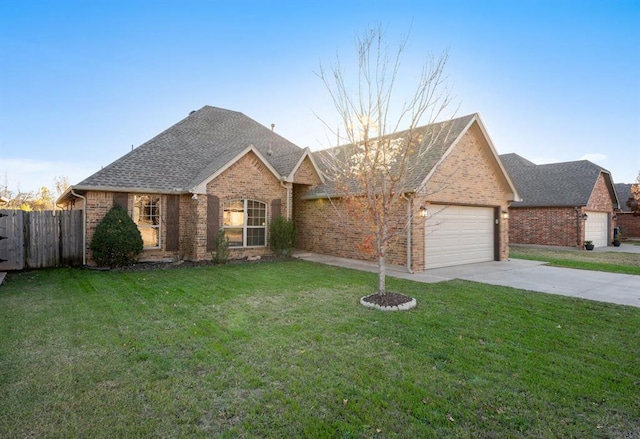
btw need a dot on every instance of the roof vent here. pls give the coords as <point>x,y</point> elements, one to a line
<point>191,112</point>
<point>273,125</point>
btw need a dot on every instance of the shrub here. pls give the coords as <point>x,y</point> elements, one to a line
<point>117,240</point>
<point>221,253</point>
<point>282,236</point>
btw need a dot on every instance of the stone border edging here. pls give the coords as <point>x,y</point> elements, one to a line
<point>404,307</point>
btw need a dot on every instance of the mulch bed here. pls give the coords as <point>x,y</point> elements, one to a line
<point>388,299</point>
<point>142,266</point>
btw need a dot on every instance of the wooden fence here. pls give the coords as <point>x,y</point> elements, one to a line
<point>40,239</point>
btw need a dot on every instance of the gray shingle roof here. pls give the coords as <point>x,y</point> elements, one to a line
<point>624,193</point>
<point>184,155</point>
<point>437,138</point>
<point>554,184</point>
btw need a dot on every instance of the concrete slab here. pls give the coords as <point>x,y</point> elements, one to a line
<point>625,247</point>
<point>623,289</point>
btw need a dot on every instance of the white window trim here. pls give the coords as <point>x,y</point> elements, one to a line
<point>245,226</point>
<point>146,226</point>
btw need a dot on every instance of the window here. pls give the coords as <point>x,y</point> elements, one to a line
<point>146,214</point>
<point>244,222</point>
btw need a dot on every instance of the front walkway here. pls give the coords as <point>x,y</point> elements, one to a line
<point>622,289</point>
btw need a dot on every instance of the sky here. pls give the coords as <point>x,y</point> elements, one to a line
<point>82,82</point>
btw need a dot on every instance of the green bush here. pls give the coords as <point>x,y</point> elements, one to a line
<point>282,236</point>
<point>117,240</point>
<point>221,253</point>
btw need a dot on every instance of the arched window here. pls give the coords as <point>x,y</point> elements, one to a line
<point>245,223</point>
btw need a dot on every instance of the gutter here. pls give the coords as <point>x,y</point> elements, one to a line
<point>288,188</point>
<point>84,226</point>
<point>409,230</point>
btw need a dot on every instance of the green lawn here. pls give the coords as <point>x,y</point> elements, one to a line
<point>284,350</point>
<point>613,262</point>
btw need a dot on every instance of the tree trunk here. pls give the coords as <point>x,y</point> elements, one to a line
<point>382,287</point>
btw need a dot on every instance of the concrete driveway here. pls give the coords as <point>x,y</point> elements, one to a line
<point>623,289</point>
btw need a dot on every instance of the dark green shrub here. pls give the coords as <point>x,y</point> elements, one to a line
<point>221,253</point>
<point>117,240</point>
<point>282,236</point>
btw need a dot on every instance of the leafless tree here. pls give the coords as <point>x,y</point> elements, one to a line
<point>384,133</point>
<point>634,201</point>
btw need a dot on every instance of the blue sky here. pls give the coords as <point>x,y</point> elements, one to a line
<point>83,81</point>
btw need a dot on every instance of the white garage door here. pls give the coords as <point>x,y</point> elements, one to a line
<point>457,235</point>
<point>596,228</point>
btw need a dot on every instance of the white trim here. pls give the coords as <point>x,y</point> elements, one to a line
<point>245,226</point>
<point>307,153</point>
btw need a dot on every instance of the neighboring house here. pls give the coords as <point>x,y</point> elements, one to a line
<point>467,194</point>
<point>3,200</point>
<point>563,204</point>
<point>214,169</point>
<point>220,169</point>
<point>628,222</point>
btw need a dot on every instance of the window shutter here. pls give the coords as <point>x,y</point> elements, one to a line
<point>213,221</point>
<point>173,223</point>
<point>121,198</point>
<point>276,207</point>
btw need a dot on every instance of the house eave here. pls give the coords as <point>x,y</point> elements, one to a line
<point>129,189</point>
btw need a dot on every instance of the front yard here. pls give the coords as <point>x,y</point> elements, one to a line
<point>284,350</point>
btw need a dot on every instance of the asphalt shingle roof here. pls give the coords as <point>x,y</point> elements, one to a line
<point>554,184</point>
<point>437,139</point>
<point>624,193</point>
<point>189,152</point>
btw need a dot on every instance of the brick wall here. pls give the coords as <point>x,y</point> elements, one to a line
<point>248,178</point>
<point>467,176</point>
<point>306,173</point>
<point>562,226</point>
<point>629,225</point>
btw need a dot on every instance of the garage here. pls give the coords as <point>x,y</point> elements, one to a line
<point>596,228</point>
<point>457,235</point>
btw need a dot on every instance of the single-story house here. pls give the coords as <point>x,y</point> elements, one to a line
<point>628,223</point>
<point>563,204</point>
<point>463,186</point>
<point>220,169</point>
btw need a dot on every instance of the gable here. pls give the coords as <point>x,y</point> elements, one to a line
<point>469,174</point>
<point>307,173</point>
<point>247,177</point>
<point>601,198</point>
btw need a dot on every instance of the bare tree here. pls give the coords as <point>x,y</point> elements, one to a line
<point>384,133</point>
<point>633,202</point>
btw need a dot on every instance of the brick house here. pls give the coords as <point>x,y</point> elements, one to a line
<point>214,169</point>
<point>461,183</point>
<point>220,169</point>
<point>628,222</point>
<point>564,204</point>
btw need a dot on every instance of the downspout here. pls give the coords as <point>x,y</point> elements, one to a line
<point>84,226</point>
<point>284,185</point>
<point>409,230</point>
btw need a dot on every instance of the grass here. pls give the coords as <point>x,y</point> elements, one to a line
<point>613,262</point>
<point>285,350</point>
